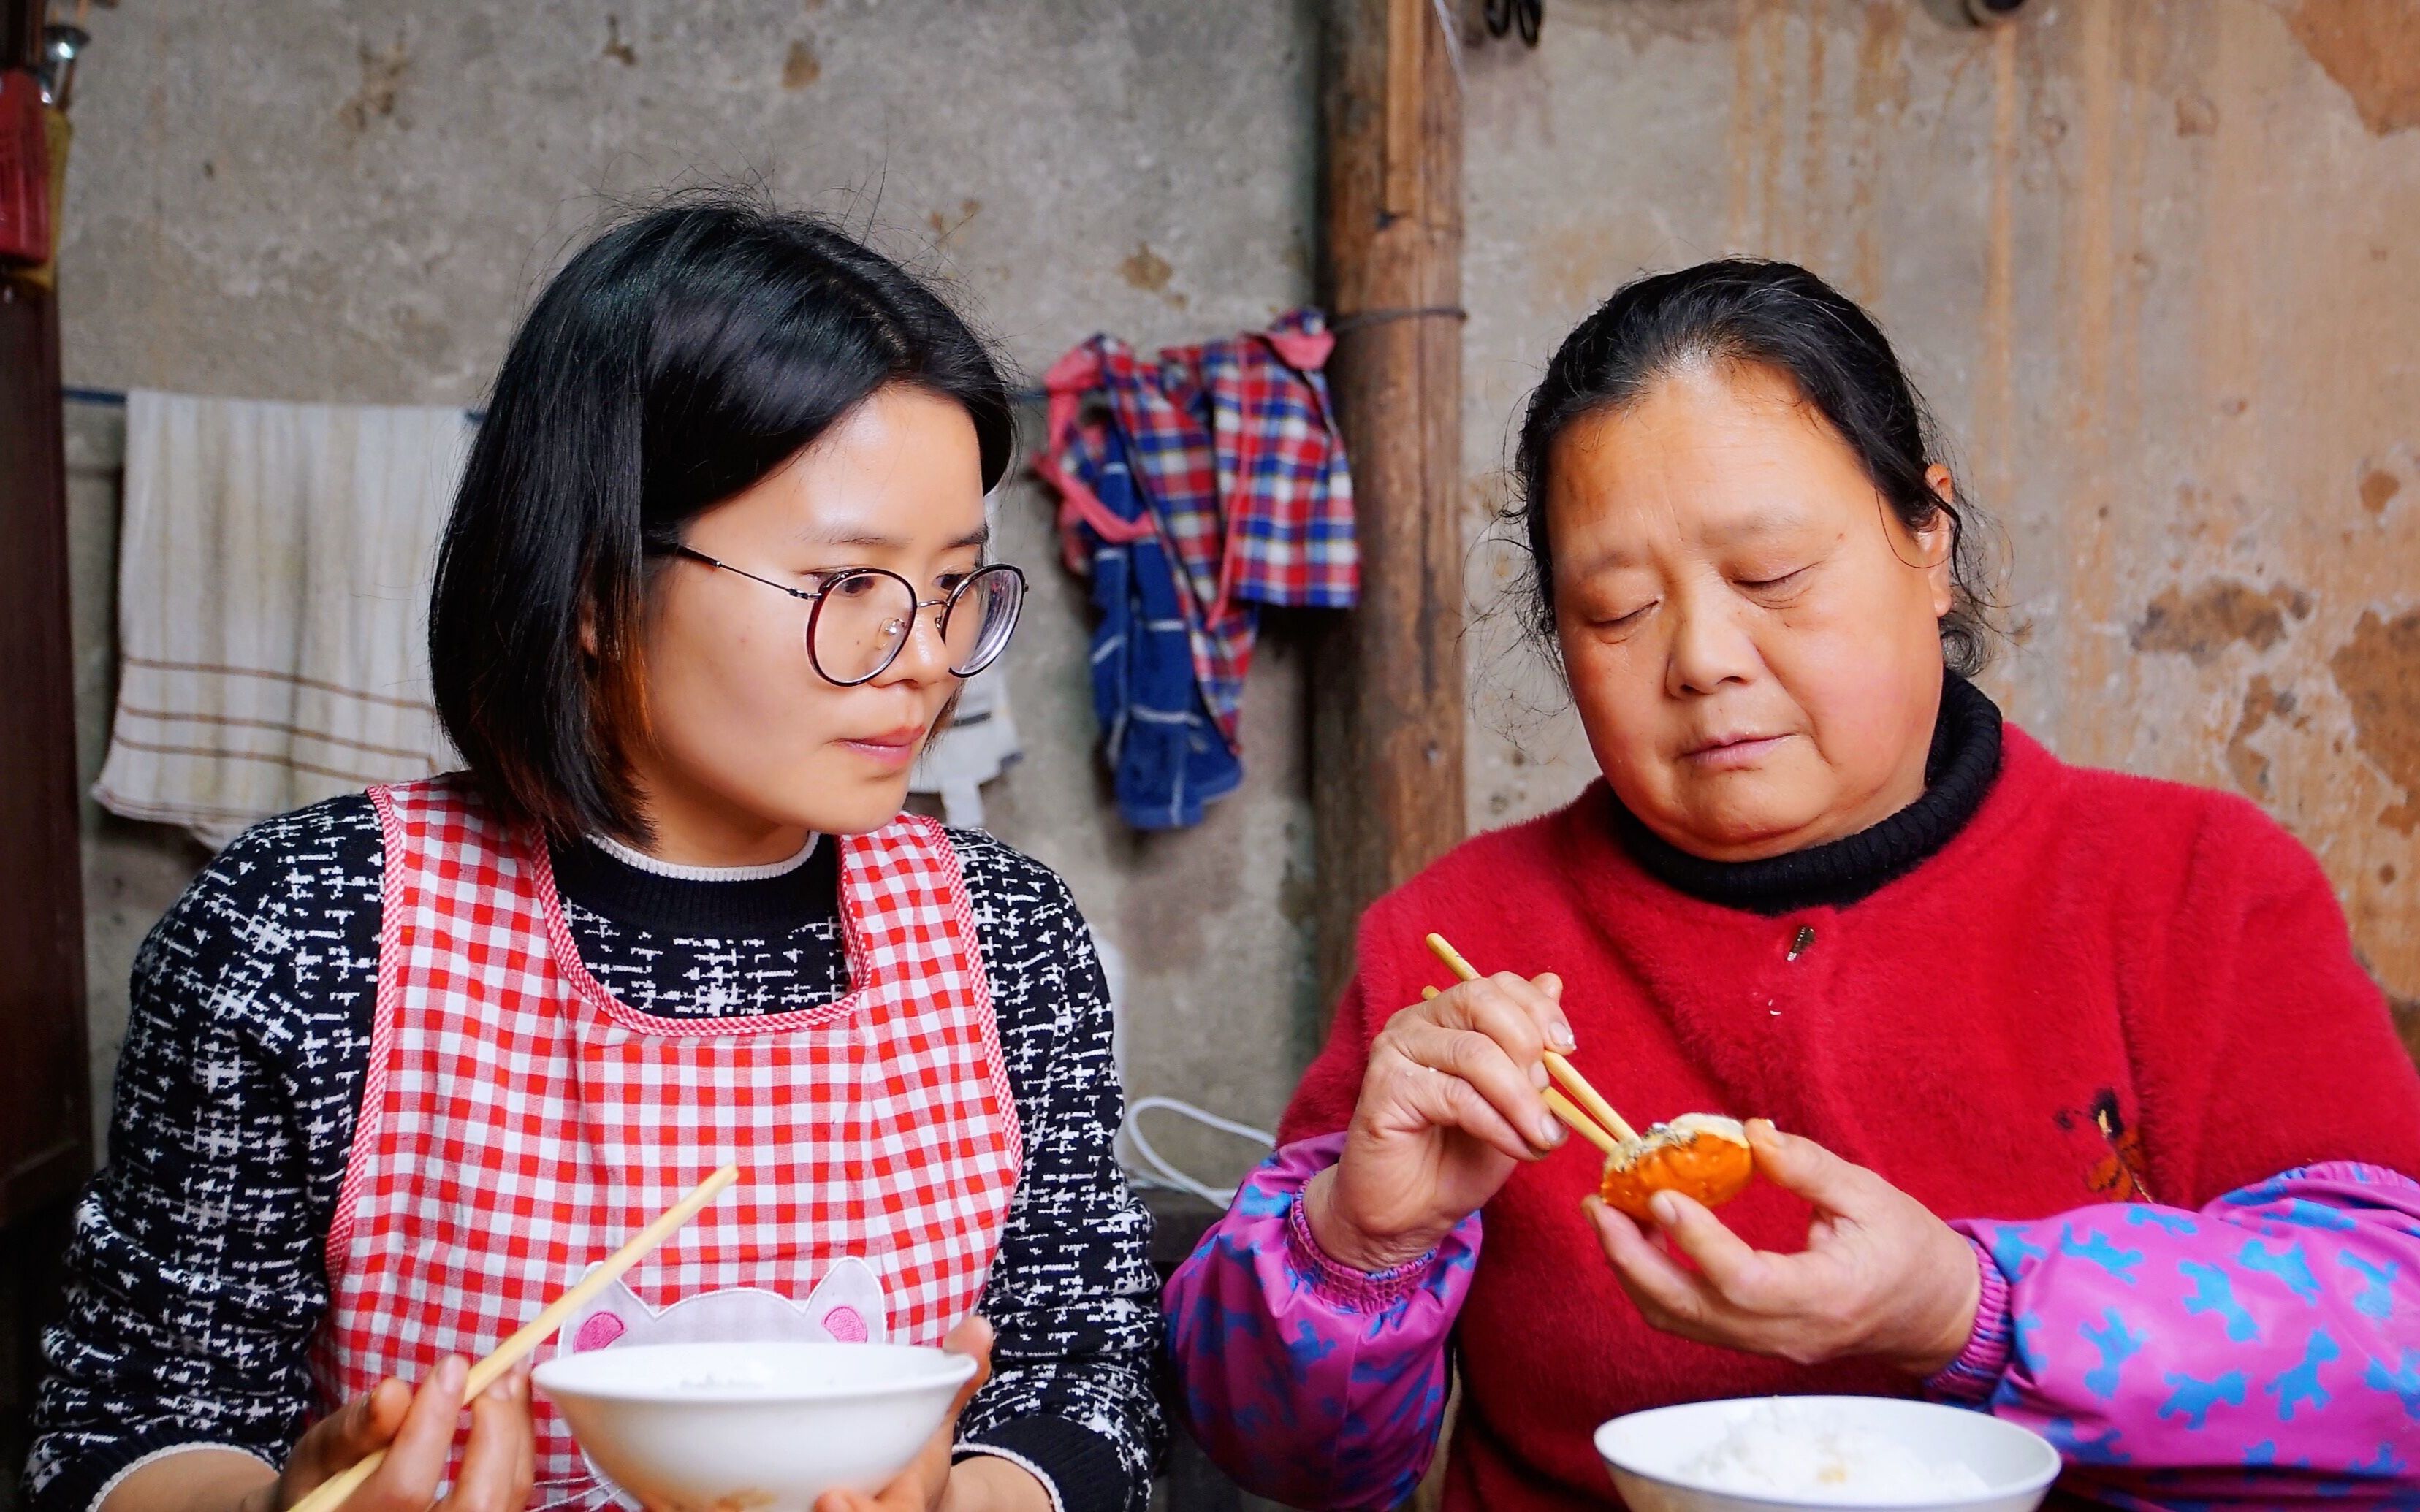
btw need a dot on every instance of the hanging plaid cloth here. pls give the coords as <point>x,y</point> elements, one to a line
<point>1233,447</point>
<point>1167,756</point>
<point>1280,467</point>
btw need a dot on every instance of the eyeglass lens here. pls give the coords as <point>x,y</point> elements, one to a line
<point>863,617</point>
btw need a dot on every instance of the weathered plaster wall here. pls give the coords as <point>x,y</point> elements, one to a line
<point>352,201</point>
<point>2157,265</point>
<point>2154,261</point>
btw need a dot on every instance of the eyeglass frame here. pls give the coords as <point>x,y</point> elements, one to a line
<point>816,596</point>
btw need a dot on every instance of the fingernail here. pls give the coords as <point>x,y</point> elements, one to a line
<point>1562,1033</point>
<point>1666,1207</point>
<point>1538,1075</point>
<point>452,1373</point>
<point>1550,1130</point>
<point>502,1388</point>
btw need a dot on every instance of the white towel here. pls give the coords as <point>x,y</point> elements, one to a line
<point>273,572</point>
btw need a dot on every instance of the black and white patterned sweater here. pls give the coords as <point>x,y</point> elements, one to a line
<point>196,1273</point>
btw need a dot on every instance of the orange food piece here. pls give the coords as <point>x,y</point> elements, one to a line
<point>1702,1154</point>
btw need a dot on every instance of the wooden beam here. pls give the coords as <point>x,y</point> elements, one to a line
<point>1387,708</point>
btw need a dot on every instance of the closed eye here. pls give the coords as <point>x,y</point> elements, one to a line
<point>1781,581</point>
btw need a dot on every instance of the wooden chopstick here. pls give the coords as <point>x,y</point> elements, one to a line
<point>1557,1067</point>
<point>333,1491</point>
<point>1568,1074</point>
<point>1582,1125</point>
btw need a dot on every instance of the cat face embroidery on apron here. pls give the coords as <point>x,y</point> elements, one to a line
<point>518,1123</point>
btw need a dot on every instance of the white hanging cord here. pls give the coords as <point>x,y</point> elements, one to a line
<point>1161,1172</point>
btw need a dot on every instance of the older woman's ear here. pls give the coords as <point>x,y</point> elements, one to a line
<point>1938,539</point>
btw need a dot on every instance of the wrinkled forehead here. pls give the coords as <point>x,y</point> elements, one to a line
<point>1700,468</point>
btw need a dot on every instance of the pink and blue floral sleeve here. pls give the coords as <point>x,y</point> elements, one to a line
<point>2262,1351</point>
<point>1311,1384</point>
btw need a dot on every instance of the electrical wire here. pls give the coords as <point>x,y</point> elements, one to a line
<point>1160,1173</point>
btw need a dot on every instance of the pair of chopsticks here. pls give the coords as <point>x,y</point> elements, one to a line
<point>1606,1129</point>
<point>331,1493</point>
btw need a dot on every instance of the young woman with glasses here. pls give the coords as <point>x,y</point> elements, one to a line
<point>403,1064</point>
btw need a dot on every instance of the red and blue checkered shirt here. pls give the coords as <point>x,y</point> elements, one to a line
<point>1235,444</point>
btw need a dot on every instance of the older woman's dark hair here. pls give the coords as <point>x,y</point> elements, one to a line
<point>1772,314</point>
<point>675,361</point>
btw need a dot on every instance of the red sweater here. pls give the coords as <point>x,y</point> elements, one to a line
<point>2090,943</point>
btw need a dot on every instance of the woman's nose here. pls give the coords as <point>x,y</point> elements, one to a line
<point>924,656</point>
<point>1709,647</point>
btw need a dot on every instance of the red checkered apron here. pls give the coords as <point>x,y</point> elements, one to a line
<point>518,1124</point>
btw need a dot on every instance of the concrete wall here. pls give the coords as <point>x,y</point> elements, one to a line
<point>2154,262</point>
<point>353,201</point>
<point>2151,259</point>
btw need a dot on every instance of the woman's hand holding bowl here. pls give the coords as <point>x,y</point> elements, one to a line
<point>932,1484</point>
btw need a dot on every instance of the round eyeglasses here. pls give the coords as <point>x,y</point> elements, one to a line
<point>862,617</point>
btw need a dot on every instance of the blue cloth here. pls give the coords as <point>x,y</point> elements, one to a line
<point>1166,754</point>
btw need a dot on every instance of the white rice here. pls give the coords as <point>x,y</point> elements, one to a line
<point>1812,1452</point>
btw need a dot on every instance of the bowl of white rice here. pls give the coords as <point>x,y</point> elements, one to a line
<point>1845,1454</point>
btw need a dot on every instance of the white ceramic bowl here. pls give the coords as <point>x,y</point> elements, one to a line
<point>1646,1451</point>
<point>752,1428</point>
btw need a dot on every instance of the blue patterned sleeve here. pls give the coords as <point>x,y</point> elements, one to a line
<point>1310,1382</point>
<point>2263,1350</point>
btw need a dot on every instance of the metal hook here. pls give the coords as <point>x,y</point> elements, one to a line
<point>1528,16</point>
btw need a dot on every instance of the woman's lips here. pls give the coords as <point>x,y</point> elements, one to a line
<point>892,750</point>
<point>1730,752</point>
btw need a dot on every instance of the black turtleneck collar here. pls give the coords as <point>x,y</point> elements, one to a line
<point>1959,772</point>
<point>701,909</point>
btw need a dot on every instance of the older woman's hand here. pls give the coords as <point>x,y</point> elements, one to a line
<point>1450,1104</point>
<point>1880,1276</point>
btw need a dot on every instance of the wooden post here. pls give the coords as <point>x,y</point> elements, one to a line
<point>45,1117</point>
<point>1387,727</point>
<point>45,1122</point>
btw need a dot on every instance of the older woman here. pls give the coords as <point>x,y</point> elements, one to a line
<point>2094,1121</point>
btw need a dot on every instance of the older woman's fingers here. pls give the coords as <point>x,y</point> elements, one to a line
<point>1447,1102</point>
<point>1400,1089</point>
<point>1523,1016</point>
<point>1742,1274</point>
<point>1489,1073</point>
<point>1803,1166</point>
<point>1668,1294</point>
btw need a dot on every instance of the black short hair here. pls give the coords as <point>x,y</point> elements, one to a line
<point>677,359</point>
<point>1773,315</point>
